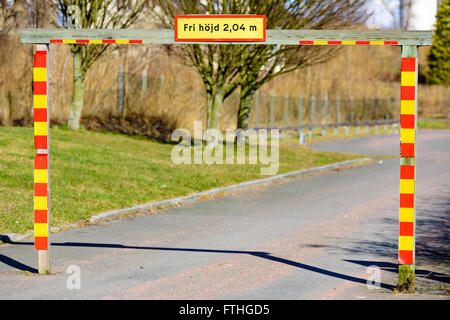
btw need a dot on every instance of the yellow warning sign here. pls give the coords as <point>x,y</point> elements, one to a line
<point>225,28</point>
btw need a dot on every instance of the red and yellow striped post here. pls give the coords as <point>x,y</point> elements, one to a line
<point>41,160</point>
<point>408,125</point>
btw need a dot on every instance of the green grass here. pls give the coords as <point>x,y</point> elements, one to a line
<point>93,172</point>
<point>433,124</point>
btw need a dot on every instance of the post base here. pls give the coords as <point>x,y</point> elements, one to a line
<point>43,262</point>
<point>406,278</point>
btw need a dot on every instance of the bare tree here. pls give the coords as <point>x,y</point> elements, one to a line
<point>15,14</point>
<point>96,14</point>
<point>218,65</point>
<point>391,11</point>
<point>263,63</point>
<point>12,14</point>
<point>405,13</point>
<point>225,68</point>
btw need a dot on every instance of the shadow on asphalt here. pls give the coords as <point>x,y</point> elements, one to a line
<point>259,254</point>
<point>392,267</point>
<point>432,232</point>
<point>432,240</point>
<point>432,245</point>
<point>16,264</point>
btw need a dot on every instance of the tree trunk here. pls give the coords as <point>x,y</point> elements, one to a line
<point>76,106</point>
<point>245,103</point>
<point>214,103</point>
<point>209,104</point>
<point>243,115</point>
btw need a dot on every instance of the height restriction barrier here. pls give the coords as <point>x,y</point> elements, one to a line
<point>239,29</point>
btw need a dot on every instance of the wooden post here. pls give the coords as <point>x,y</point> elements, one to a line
<point>386,113</point>
<point>313,115</point>
<point>388,103</point>
<point>301,138</point>
<point>325,109</point>
<point>41,109</point>
<point>351,114</point>
<point>338,110</point>
<point>144,80</point>
<point>272,111</point>
<point>324,112</point>
<point>393,101</point>
<point>338,114</point>
<point>120,91</point>
<point>376,108</point>
<point>408,125</point>
<point>162,80</point>
<point>351,110</point>
<point>286,110</point>
<point>256,121</point>
<point>364,107</point>
<point>300,113</point>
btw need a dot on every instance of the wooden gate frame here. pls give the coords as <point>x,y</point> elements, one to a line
<point>408,40</point>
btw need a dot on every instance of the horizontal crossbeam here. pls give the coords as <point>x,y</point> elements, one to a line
<point>280,37</point>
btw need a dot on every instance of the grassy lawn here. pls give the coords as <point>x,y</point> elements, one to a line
<point>94,172</point>
<point>433,124</point>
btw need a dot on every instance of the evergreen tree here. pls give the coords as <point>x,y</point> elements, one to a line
<point>438,70</point>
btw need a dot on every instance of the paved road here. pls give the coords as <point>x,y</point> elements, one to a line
<point>308,238</point>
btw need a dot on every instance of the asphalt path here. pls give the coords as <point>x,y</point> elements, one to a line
<point>307,238</point>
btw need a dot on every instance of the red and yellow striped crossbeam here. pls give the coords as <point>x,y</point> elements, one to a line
<point>407,165</point>
<point>301,42</point>
<point>371,43</point>
<point>41,176</point>
<point>97,41</point>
